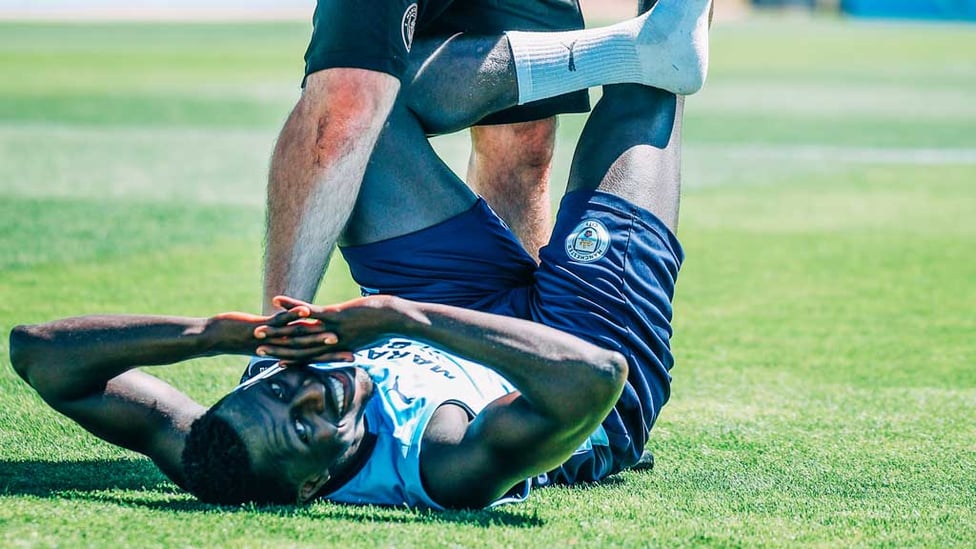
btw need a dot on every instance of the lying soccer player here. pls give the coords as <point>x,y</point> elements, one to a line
<point>415,399</point>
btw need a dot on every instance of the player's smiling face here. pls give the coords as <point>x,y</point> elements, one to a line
<point>302,425</point>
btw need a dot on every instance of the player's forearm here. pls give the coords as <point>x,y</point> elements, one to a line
<point>74,357</point>
<point>570,381</point>
<point>561,375</point>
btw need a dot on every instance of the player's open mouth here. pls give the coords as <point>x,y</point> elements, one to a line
<point>338,395</point>
<point>337,383</point>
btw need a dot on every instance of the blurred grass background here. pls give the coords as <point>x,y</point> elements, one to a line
<point>826,359</point>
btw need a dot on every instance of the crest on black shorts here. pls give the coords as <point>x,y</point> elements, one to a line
<point>588,242</point>
<point>409,25</point>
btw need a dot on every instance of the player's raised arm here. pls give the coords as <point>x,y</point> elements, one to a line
<point>566,387</point>
<point>84,367</point>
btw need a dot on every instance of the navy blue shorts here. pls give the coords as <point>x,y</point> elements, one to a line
<point>607,276</point>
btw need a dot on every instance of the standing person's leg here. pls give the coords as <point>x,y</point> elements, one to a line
<point>609,272</point>
<point>315,174</point>
<point>643,45</point>
<point>417,231</point>
<point>510,166</point>
<point>354,61</point>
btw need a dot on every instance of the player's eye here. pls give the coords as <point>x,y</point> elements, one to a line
<point>301,431</point>
<point>277,390</point>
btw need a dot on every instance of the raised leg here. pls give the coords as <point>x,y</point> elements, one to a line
<point>631,147</point>
<point>406,188</point>
<point>665,48</point>
<point>609,271</point>
<point>454,82</point>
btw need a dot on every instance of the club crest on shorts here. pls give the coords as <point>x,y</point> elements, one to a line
<point>588,242</point>
<point>408,25</point>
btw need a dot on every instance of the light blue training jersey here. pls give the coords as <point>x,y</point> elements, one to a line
<point>412,380</point>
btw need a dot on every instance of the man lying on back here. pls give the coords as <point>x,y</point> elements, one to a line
<point>476,371</point>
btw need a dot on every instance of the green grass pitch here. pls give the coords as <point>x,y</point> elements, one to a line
<point>825,386</point>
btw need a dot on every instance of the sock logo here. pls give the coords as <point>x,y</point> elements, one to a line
<point>572,55</point>
<point>408,25</point>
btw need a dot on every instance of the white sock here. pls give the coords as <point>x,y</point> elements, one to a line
<point>665,48</point>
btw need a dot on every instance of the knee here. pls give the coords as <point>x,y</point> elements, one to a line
<point>521,146</point>
<point>345,100</point>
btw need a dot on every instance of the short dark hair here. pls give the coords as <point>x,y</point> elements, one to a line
<point>217,467</point>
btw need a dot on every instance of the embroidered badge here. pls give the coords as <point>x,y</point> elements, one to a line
<point>408,25</point>
<point>588,242</point>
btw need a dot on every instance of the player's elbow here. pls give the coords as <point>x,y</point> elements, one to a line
<point>591,397</point>
<point>345,103</point>
<point>23,350</point>
<point>617,370</point>
<point>610,369</point>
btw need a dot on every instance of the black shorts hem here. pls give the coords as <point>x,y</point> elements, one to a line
<point>576,102</point>
<point>343,60</point>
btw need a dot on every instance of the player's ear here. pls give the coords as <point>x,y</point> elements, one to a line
<point>311,486</point>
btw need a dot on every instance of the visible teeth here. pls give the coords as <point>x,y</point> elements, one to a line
<point>339,393</point>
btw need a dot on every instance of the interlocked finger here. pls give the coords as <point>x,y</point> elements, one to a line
<point>304,341</point>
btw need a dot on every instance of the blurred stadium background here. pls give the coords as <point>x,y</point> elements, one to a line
<point>182,9</point>
<point>825,380</point>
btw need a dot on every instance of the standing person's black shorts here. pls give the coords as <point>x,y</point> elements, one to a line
<point>377,35</point>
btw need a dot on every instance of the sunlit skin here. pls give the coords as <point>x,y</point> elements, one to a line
<point>302,425</point>
<point>89,368</point>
